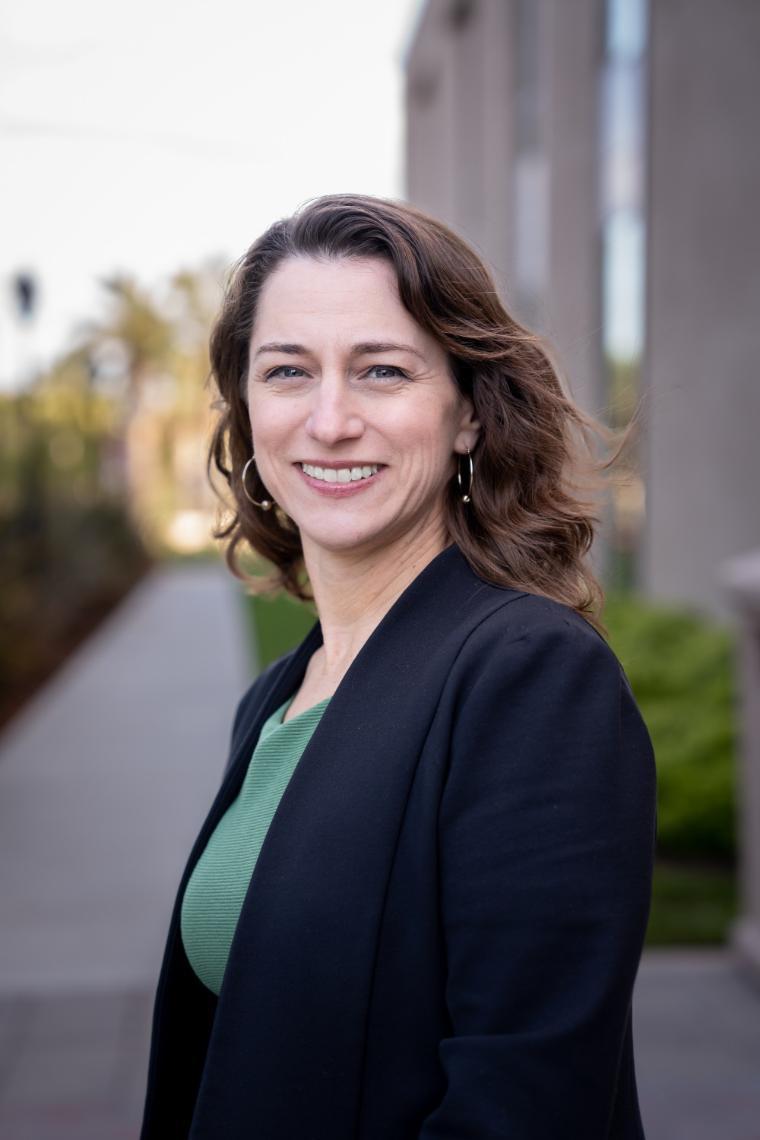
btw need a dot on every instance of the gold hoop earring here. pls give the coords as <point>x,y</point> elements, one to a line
<point>265,504</point>
<point>465,493</point>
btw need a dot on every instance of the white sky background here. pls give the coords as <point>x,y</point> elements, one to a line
<point>146,137</point>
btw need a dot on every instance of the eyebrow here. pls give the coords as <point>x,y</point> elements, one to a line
<point>364,348</point>
<point>288,349</point>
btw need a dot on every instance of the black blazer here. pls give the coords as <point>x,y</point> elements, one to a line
<point>443,928</point>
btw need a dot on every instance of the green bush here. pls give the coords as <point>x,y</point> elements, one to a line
<point>692,905</point>
<point>277,624</point>
<point>68,549</point>
<point>59,576</point>
<point>681,670</point>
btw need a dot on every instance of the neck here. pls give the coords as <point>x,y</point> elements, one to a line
<point>354,591</point>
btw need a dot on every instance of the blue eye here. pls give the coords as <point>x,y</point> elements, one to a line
<point>386,372</point>
<point>285,372</point>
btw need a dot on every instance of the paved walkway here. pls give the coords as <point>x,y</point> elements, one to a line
<point>104,780</point>
<point>696,1025</point>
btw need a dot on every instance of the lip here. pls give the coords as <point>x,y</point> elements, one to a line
<point>336,464</point>
<point>339,490</point>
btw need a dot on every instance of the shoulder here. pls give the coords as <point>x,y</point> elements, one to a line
<point>479,632</point>
<point>539,697</point>
<point>489,619</point>
<point>519,625</point>
<point>530,658</point>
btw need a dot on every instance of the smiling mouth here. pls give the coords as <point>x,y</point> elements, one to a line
<point>340,474</point>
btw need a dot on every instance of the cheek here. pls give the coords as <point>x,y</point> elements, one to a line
<point>265,445</point>
<point>431,417</point>
<point>437,431</point>
<point>429,462</point>
<point>268,424</point>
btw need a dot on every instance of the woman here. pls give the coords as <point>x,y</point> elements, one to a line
<point>437,933</point>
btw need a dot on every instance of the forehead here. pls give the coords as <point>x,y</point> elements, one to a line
<point>306,297</point>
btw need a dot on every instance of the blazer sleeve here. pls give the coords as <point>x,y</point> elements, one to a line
<point>546,851</point>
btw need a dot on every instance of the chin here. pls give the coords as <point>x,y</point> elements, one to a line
<point>339,540</point>
<point>338,544</point>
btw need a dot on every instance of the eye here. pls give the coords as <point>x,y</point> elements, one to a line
<point>285,372</point>
<point>386,372</point>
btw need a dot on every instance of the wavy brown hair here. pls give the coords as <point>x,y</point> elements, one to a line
<point>529,523</point>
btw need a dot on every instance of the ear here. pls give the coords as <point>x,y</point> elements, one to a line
<point>469,428</point>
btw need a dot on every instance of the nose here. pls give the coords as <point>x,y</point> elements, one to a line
<point>334,413</point>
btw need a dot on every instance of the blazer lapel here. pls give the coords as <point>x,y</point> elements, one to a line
<point>184,1009</point>
<point>291,1013</point>
<point>285,681</point>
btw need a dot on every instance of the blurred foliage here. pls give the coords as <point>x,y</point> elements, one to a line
<point>623,385</point>
<point>102,466</point>
<point>680,666</point>
<point>692,904</point>
<point>138,326</point>
<point>156,348</point>
<point>67,549</point>
<point>276,625</point>
<point>626,510</point>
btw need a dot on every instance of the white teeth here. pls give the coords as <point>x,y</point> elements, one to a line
<point>340,474</point>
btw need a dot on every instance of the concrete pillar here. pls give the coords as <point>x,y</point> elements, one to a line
<point>573,303</point>
<point>466,27</point>
<point>703,297</point>
<point>431,158</point>
<point>498,145</point>
<point>742,579</point>
<point>460,124</point>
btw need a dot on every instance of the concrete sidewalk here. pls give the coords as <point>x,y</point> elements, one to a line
<point>73,1065</point>
<point>104,780</point>
<point>696,1028</point>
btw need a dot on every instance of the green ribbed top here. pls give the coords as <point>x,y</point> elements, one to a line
<point>217,887</point>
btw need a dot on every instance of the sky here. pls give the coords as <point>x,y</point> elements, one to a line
<point>152,136</point>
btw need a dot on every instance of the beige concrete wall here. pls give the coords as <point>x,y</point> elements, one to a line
<point>498,134</point>
<point>430,122</point>
<point>462,163</point>
<point>467,46</point>
<point>702,373</point>
<point>741,579</point>
<point>573,302</point>
<point>459,123</point>
<point>461,158</point>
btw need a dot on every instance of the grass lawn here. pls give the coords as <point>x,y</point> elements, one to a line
<point>275,625</point>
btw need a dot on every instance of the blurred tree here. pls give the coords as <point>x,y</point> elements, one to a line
<point>67,551</point>
<point>100,454</point>
<point>163,343</point>
<point>138,324</point>
<point>146,338</point>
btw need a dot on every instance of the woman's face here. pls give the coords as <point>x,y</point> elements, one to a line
<point>354,414</point>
